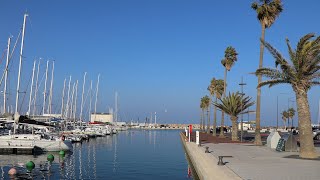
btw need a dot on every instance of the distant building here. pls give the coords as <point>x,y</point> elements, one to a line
<point>246,125</point>
<point>101,117</point>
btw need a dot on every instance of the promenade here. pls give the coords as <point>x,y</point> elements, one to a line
<point>249,162</point>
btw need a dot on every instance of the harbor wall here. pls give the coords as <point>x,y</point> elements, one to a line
<point>205,164</point>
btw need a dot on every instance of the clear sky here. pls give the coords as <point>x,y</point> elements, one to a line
<point>159,55</point>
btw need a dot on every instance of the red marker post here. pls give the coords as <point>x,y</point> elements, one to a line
<point>190,131</point>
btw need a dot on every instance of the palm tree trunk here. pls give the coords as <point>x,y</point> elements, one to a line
<point>257,140</point>
<point>307,149</point>
<point>208,116</point>
<point>214,131</point>
<point>224,95</point>
<point>200,124</point>
<point>234,128</point>
<point>203,121</point>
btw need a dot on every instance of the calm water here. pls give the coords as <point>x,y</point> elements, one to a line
<point>134,154</point>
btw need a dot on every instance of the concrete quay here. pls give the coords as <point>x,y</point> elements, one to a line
<point>249,162</point>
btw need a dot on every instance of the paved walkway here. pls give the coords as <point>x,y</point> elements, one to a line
<point>251,162</point>
<point>255,162</point>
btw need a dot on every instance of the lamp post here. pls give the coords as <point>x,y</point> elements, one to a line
<point>241,84</point>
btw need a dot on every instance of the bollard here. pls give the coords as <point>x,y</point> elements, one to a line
<point>197,138</point>
<point>207,150</point>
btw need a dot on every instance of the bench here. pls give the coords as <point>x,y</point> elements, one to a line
<point>220,162</point>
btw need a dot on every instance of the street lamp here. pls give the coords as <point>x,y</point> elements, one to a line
<point>241,84</point>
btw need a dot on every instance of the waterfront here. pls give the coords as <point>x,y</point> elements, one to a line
<point>134,154</point>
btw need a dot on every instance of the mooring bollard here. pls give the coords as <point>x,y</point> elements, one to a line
<point>207,150</point>
<point>197,138</point>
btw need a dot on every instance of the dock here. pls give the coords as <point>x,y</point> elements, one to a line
<point>17,149</point>
<point>247,161</point>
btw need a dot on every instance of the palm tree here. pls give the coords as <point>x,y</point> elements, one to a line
<point>206,103</point>
<point>285,117</point>
<point>230,57</point>
<point>202,106</point>
<point>233,105</point>
<point>301,73</point>
<point>201,114</point>
<point>216,88</point>
<point>291,113</point>
<point>267,12</point>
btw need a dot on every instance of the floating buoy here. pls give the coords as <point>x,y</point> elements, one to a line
<point>50,158</point>
<point>30,165</point>
<point>12,171</point>
<point>62,153</point>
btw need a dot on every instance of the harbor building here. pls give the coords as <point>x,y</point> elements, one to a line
<point>101,117</point>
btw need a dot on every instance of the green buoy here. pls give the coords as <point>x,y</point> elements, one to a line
<point>50,158</point>
<point>62,153</point>
<point>30,165</point>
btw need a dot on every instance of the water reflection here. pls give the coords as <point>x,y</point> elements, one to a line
<point>136,154</point>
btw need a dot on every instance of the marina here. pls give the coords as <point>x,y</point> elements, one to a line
<point>159,90</point>
<point>133,154</point>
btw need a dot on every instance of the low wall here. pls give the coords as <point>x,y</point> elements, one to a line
<point>205,164</point>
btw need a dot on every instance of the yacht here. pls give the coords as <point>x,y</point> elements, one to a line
<point>32,140</point>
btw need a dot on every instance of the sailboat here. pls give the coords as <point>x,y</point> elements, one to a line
<point>29,140</point>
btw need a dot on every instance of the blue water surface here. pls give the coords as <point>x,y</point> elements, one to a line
<point>132,154</point>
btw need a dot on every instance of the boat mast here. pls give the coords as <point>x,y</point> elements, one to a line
<point>45,90</point>
<point>20,61</point>
<point>31,88</point>
<point>95,105</point>
<point>6,77</point>
<point>67,106</point>
<point>64,87</point>
<point>75,101</point>
<point>71,103</point>
<point>90,100</point>
<point>116,107</point>
<point>50,92</point>
<point>36,90</point>
<point>83,85</point>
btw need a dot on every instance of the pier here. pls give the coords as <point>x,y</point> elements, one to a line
<point>248,162</point>
<point>17,149</point>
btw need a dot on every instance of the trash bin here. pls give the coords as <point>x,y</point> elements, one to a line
<point>287,143</point>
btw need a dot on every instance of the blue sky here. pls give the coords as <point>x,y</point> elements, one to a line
<point>158,55</point>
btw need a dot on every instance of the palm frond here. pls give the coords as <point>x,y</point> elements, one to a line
<point>273,82</point>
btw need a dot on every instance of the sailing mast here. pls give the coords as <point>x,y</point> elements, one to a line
<point>45,90</point>
<point>75,101</point>
<point>62,103</point>
<point>95,105</point>
<point>116,107</point>
<point>71,103</point>
<point>20,63</point>
<point>36,90</point>
<point>67,106</point>
<point>31,88</point>
<point>90,100</point>
<point>6,77</point>
<point>50,92</point>
<point>83,85</point>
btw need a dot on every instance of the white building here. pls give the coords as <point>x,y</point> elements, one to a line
<point>101,117</point>
<point>246,125</point>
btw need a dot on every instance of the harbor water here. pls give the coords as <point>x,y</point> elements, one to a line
<point>132,154</point>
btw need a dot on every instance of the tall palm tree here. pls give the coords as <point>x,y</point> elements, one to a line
<point>230,57</point>
<point>216,88</point>
<point>301,73</point>
<point>233,105</point>
<point>202,106</point>
<point>267,12</point>
<point>201,114</point>
<point>206,102</point>
<point>291,113</point>
<point>285,117</point>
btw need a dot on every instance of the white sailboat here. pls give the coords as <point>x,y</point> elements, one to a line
<point>29,140</point>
